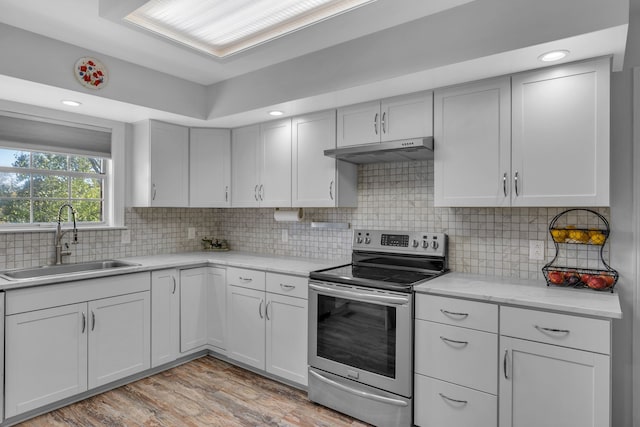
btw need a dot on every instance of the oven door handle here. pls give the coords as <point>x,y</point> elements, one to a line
<point>366,395</point>
<point>361,296</point>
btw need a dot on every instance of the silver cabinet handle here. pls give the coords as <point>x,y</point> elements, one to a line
<point>515,179</point>
<point>453,313</point>
<point>174,285</point>
<point>93,320</point>
<point>504,184</point>
<point>226,193</point>
<point>462,402</point>
<point>84,322</point>
<point>266,310</point>
<point>261,192</point>
<point>557,331</point>
<point>260,309</point>
<point>331,190</point>
<point>375,124</point>
<point>366,395</point>
<point>153,197</point>
<point>287,287</point>
<point>504,363</point>
<point>255,192</point>
<point>245,279</point>
<point>384,124</point>
<point>454,341</point>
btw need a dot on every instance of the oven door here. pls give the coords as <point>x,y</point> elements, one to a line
<point>362,334</point>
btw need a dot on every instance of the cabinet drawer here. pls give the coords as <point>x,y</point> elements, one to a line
<point>286,284</point>
<point>458,312</point>
<point>583,333</point>
<point>458,355</point>
<point>246,278</point>
<point>438,403</point>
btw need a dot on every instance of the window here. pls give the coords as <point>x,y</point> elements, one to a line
<point>45,164</point>
<point>33,186</point>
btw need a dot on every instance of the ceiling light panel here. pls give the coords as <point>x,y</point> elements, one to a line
<point>224,27</point>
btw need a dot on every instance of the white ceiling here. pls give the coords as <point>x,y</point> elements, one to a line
<point>506,47</point>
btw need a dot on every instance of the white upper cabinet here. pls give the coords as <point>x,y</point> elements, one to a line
<point>400,117</point>
<point>472,154</point>
<point>318,180</point>
<point>209,167</point>
<point>540,139</point>
<point>560,142</point>
<point>261,165</point>
<point>160,165</point>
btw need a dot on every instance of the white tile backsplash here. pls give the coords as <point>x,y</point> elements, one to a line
<point>395,196</point>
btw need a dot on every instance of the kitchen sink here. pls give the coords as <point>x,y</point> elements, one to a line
<point>54,270</point>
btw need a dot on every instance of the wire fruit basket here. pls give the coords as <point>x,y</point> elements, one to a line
<point>584,240</point>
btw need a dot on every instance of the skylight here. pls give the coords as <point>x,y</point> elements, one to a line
<point>225,27</point>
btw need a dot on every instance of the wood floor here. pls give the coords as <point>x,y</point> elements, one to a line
<point>204,392</point>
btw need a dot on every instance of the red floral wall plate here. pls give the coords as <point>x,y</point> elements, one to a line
<point>91,73</point>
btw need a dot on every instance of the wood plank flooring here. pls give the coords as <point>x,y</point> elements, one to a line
<point>204,392</point>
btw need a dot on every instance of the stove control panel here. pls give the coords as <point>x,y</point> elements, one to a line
<point>415,242</point>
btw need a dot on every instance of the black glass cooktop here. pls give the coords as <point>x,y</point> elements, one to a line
<point>376,277</point>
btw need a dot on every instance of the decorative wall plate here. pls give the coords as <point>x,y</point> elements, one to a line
<point>91,73</point>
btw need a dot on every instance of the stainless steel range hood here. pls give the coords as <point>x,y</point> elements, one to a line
<point>379,152</point>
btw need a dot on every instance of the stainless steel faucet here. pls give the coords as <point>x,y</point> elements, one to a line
<point>60,232</point>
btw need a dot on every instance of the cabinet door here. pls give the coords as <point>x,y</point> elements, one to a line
<point>209,168</point>
<point>545,385</point>
<point>46,359</point>
<point>287,337</point>
<point>359,124</point>
<point>244,166</point>
<point>561,136</point>
<point>217,307</point>
<point>472,134</point>
<point>193,308</point>
<point>314,174</point>
<point>246,326</point>
<point>169,145</point>
<point>275,164</point>
<point>165,317</point>
<point>407,116</point>
<point>119,337</point>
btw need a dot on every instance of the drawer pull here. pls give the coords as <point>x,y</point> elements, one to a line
<point>245,279</point>
<point>287,287</point>
<point>463,343</point>
<point>462,402</point>
<point>557,331</point>
<point>453,313</point>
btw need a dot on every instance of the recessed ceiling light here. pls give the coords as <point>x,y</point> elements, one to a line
<point>554,55</point>
<point>71,103</point>
<point>223,27</point>
<point>276,113</point>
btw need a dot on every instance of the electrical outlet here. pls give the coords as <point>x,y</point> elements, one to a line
<point>125,237</point>
<point>191,233</point>
<point>536,250</point>
<point>285,236</point>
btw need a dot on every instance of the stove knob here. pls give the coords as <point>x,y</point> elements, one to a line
<point>359,240</point>
<point>416,243</point>
<point>425,244</point>
<point>434,244</point>
<point>367,240</point>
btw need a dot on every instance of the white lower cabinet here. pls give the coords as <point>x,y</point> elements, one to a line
<point>58,352</point>
<point>267,322</point>
<point>456,375</point>
<point>545,382</point>
<point>165,317</point>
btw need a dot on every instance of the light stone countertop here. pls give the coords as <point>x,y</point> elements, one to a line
<point>525,293</point>
<point>271,263</point>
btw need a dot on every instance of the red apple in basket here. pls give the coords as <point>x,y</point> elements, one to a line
<point>584,278</point>
<point>597,282</point>
<point>556,277</point>
<point>609,280</point>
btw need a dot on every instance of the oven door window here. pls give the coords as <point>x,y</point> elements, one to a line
<point>358,334</point>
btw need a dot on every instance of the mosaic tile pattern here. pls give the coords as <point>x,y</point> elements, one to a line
<point>489,241</point>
